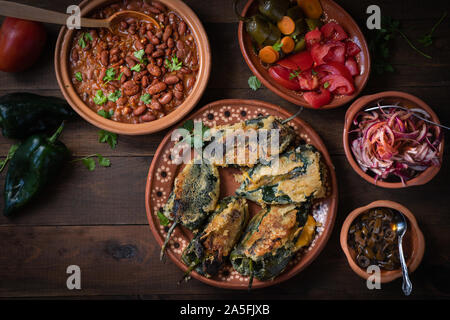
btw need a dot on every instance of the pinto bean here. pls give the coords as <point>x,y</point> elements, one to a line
<point>144,81</point>
<point>139,110</point>
<point>171,79</point>
<point>166,98</point>
<point>126,71</point>
<point>148,117</point>
<point>130,61</point>
<point>167,33</point>
<point>153,9</point>
<point>130,88</point>
<point>154,70</point>
<point>190,82</point>
<point>178,94</point>
<point>104,58</point>
<point>153,39</point>
<point>102,74</point>
<point>170,43</point>
<point>149,49</point>
<point>122,101</point>
<point>75,55</point>
<point>158,87</point>
<point>138,45</point>
<point>159,5</point>
<point>179,86</point>
<point>158,53</point>
<point>182,28</point>
<point>155,105</point>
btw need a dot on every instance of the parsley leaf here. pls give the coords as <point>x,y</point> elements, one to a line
<point>107,137</point>
<point>79,76</point>
<point>99,98</point>
<point>162,219</point>
<point>105,114</point>
<point>90,164</point>
<point>114,96</point>
<point>84,37</point>
<point>11,152</point>
<point>146,98</point>
<point>139,54</point>
<point>326,85</point>
<point>294,74</point>
<point>137,67</point>
<point>254,83</point>
<point>277,46</point>
<point>110,74</point>
<point>174,64</point>
<point>427,40</point>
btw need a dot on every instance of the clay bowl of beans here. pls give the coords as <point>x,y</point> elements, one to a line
<point>368,239</point>
<point>141,78</point>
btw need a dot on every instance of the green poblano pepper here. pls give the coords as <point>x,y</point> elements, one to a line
<point>270,241</point>
<point>23,114</point>
<point>35,163</point>
<point>194,196</point>
<point>210,248</point>
<point>274,9</point>
<point>295,177</point>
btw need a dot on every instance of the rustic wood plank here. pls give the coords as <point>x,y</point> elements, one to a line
<point>116,196</point>
<point>124,260</point>
<point>82,139</point>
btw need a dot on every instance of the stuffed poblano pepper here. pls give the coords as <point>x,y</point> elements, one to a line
<point>23,114</point>
<point>260,29</point>
<point>271,239</point>
<point>254,140</point>
<point>36,162</point>
<point>295,177</point>
<point>193,198</point>
<point>210,248</point>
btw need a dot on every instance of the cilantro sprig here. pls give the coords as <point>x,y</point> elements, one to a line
<point>11,152</point>
<point>173,64</point>
<point>146,98</point>
<point>111,75</point>
<point>427,40</point>
<point>254,83</point>
<point>99,98</point>
<point>86,36</point>
<point>106,136</point>
<point>89,161</point>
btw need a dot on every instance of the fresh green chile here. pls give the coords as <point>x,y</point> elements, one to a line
<point>36,162</point>
<point>23,114</point>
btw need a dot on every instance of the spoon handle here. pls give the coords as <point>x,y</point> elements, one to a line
<point>22,11</point>
<point>406,285</point>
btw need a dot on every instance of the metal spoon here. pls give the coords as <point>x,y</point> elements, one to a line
<point>22,11</point>
<point>400,228</point>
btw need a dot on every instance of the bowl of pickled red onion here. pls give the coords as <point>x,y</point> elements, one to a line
<point>392,147</point>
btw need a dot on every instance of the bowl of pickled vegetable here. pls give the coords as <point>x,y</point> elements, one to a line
<point>368,238</point>
<point>309,52</point>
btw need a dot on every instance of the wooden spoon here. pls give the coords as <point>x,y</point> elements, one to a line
<point>22,11</point>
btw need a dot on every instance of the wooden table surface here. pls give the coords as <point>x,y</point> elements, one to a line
<point>97,219</point>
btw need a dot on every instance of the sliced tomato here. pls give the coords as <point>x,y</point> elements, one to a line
<point>352,66</point>
<point>318,52</point>
<point>338,84</point>
<point>298,61</point>
<point>335,68</point>
<point>336,52</point>
<point>308,81</point>
<point>318,99</point>
<point>333,31</point>
<point>351,48</point>
<point>282,76</point>
<point>312,37</point>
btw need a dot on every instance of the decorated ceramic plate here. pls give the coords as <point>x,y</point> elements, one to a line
<point>163,172</point>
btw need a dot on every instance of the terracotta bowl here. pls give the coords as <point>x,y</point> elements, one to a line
<point>62,73</point>
<point>332,11</point>
<point>388,97</point>
<point>413,241</point>
<point>163,171</point>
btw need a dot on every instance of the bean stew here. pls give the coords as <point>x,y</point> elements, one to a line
<point>139,74</point>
